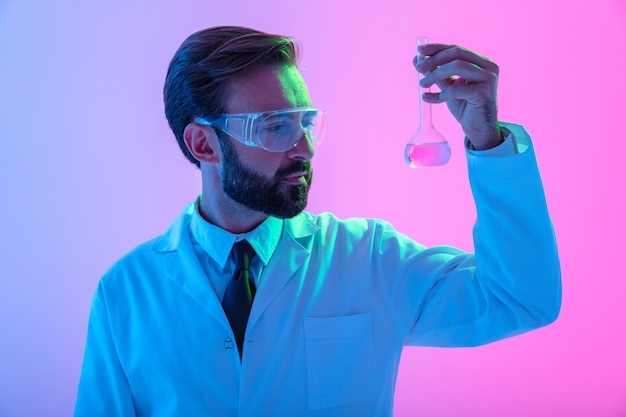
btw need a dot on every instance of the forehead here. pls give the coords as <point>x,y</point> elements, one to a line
<point>267,88</point>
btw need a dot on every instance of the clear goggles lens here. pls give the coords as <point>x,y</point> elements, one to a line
<point>276,131</point>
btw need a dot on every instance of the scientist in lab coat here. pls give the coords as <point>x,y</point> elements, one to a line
<point>309,315</point>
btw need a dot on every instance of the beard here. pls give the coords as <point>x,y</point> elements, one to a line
<point>267,195</point>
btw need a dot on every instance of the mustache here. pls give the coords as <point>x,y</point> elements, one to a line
<point>294,168</point>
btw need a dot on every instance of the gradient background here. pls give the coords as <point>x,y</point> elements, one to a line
<point>89,169</point>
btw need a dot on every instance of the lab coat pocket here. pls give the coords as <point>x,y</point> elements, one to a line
<point>341,365</point>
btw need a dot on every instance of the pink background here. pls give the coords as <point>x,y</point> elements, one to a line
<point>89,169</point>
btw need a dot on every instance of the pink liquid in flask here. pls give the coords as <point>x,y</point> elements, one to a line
<point>427,154</point>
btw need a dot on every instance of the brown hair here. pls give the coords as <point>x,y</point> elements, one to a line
<point>199,73</point>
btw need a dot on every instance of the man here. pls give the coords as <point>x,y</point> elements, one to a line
<point>333,301</point>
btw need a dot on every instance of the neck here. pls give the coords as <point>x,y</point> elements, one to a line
<point>222,211</point>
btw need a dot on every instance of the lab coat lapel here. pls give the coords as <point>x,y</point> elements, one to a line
<point>185,269</point>
<point>292,251</point>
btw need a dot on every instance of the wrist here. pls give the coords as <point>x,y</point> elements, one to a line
<point>488,142</point>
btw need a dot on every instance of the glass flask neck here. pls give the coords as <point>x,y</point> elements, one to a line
<point>426,118</point>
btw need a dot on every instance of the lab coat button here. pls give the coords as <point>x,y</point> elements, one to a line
<point>228,344</point>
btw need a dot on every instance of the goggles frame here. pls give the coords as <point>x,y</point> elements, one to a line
<point>252,129</point>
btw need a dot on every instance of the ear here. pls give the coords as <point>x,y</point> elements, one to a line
<point>202,142</point>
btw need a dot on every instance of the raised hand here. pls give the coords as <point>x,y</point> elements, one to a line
<point>468,84</point>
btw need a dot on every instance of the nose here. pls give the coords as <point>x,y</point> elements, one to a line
<point>303,151</point>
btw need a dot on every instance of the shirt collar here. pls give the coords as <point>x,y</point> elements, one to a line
<point>218,242</point>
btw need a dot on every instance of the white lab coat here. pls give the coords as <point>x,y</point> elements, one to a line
<point>339,301</point>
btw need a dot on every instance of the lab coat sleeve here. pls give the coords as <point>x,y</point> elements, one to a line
<point>103,389</point>
<point>512,283</point>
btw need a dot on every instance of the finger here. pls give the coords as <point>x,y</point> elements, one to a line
<point>433,48</point>
<point>433,98</point>
<point>449,53</point>
<point>425,50</point>
<point>456,90</point>
<point>462,69</point>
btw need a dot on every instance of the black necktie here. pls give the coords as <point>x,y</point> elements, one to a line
<point>240,292</point>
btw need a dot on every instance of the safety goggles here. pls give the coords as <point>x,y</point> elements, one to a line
<point>275,131</point>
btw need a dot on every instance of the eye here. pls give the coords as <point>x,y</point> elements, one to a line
<point>308,121</point>
<point>274,127</point>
